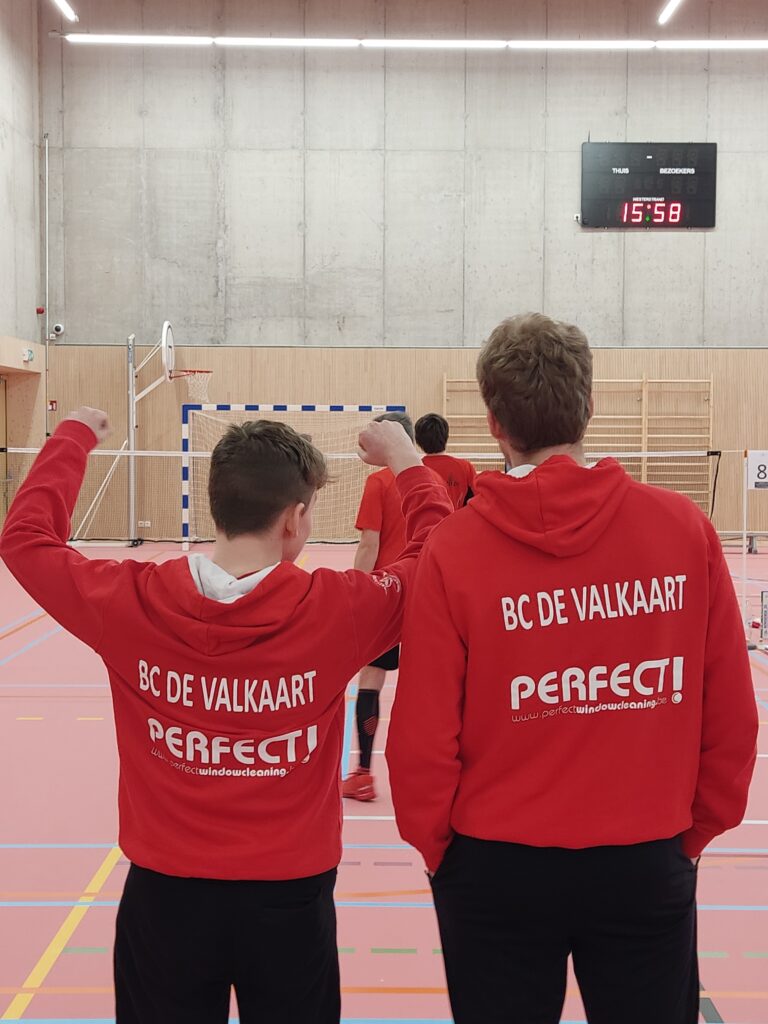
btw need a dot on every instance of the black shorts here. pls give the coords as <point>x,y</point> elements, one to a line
<point>389,661</point>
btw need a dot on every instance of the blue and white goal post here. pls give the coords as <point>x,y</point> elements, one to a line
<point>189,409</point>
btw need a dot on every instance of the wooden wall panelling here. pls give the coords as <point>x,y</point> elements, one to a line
<point>95,375</point>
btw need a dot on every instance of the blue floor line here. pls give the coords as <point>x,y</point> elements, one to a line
<point>352,904</point>
<point>711,850</point>
<point>349,718</point>
<point>18,622</point>
<point>29,646</point>
<point>54,686</point>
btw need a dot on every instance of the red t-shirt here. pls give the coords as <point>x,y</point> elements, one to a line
<point>458,474</point>
<point>380,510</point>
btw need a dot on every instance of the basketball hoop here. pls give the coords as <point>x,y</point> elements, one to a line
<point>197,383</point>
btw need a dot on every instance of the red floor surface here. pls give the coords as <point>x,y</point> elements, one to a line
<point>58,824</point>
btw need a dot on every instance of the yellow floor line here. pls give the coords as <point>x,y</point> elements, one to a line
<point>43,967</point>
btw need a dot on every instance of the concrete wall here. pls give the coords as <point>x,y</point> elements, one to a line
<point>19,108</point>
<point>326,198</point>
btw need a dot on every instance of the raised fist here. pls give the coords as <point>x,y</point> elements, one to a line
<point>97,420</point>
<point>386,443</point>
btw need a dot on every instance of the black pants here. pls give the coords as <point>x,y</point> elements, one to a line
<point>510,916</point>
<point>183,943</point>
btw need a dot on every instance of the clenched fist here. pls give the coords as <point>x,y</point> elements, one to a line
<point>386,443</point>
<point>97,420</point>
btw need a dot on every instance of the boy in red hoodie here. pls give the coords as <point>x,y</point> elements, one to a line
<point>575,718</point>
<point>228,677</point>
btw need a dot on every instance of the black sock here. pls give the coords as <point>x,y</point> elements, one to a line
<point>367,720</point>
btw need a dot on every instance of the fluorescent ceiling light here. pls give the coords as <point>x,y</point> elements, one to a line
<point>267,41</point>
<point>580,44</point>
<point>126,40</point>
<point>434,44</point>
<point>668,11</point>
<point>712,44</point>
<point>66,10</point>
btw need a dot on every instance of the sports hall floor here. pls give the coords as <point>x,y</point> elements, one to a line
<point>61,874</point>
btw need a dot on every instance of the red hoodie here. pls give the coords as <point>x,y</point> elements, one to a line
<point>574,670</point>
<point>229,717</point>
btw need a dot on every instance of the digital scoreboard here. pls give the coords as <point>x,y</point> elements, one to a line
<point>631,185</point>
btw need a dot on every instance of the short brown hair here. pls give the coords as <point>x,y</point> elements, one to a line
<point>258,469</point>
<point>402,418</point>
<point>432,433</point>
<point>535,375</point>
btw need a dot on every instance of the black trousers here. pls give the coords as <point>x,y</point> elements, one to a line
<point>511,915</point>
<point>183,943</point>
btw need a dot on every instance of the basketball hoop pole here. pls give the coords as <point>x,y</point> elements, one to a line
<point>132,530</point>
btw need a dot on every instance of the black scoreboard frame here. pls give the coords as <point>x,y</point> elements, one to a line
<point>632,186</point>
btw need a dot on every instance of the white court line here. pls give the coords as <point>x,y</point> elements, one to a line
<point>374,817</point>
<point>391,817</point>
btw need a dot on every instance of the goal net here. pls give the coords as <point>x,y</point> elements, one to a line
<point>333,429</point>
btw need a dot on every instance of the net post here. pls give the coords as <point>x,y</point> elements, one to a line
<point>744,528</point>
<point>132,531</point>
<point>185,409</point>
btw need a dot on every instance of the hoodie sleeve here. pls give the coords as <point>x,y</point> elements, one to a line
<point>423,742</point>
<point>376,601</point>
<point>73,589</point>
<point>730,721</point>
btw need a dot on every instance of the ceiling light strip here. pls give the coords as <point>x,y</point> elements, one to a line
<point>275,42</point>
<point>668,11</point>
<point>66,10</point>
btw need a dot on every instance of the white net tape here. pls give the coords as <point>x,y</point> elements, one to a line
<point>159,479</point>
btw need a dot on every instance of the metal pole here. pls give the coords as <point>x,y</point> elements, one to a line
<point>132,529</point>
<point>47,286</point>
<point>745,527</point>
<point>95,505</point>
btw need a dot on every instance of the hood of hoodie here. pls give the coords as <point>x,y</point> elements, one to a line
<point>559,507</point>
<point>230,614</point>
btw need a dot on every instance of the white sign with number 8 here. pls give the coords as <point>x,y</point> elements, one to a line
<point>757,471</point>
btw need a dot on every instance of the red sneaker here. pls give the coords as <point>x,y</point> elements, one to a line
<point>359,786</point>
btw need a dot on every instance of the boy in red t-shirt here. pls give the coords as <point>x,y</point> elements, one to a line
<point>382,535</point>
<point>458,474</point>
<point>228,675</point>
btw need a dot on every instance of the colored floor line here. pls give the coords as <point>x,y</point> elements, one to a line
<point>55,947</point>
<point>54,686</point>
<point>713,851</point>
<point>28,647</point>
<point>236,1020</point>
<point>349,717</point>
<point>346,904</point>
<point>24,625</point>
<point>10,627</point>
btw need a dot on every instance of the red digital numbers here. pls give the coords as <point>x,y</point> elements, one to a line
<point>659,212</point>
